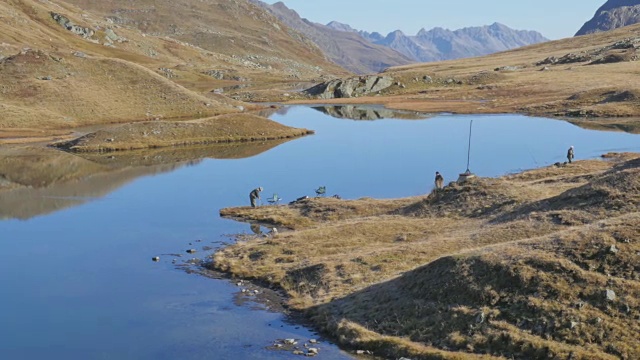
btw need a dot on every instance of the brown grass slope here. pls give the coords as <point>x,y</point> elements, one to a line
<point>562,88</point>
<point>235,28</point>
<point>52,78</point>
<point>517,267</point>
<point>44,85</point>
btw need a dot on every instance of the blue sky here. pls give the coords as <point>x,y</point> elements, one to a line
<point>555,19</point>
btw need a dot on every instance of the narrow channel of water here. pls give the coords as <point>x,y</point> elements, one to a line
<point>77,274</point>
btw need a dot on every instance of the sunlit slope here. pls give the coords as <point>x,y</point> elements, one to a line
<point>256,41</point>
<point>52,77</point>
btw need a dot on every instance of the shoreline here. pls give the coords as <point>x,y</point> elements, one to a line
<point>626,123</point>
<point>335,258</point>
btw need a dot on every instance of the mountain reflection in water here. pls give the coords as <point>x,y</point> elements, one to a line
<point>360,112</point>
<point>37,181</point>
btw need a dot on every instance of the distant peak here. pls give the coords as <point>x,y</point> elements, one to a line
<point>340,26</point>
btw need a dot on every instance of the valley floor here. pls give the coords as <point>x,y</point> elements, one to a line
<point>540,264</point>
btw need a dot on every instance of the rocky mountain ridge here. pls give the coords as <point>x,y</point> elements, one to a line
<point>345,48</point>
<point>612,15</point>
<point>442,44</point>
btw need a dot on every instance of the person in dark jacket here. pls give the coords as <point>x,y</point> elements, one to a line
<point>254,195</point>
<point>439,181</point>
<point>570,154</point>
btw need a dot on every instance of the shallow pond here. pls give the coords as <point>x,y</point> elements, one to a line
<point>75,255</point>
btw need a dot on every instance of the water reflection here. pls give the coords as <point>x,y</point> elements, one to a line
<point>628,125</point>
<point>37,181</point>
<point>368,112</point>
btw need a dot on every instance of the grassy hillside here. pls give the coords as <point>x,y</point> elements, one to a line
<point>541,264</point>
<point>116,70</point>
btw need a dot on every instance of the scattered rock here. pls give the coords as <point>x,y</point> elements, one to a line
<point>216,74</point>
<point>313,350</point>
<point>313,341</point>
<point>79,54</point>
<point>610,295</point>
<point>613,249</point>
<point>67,24</point>
<point>481,318</point>
<point>111,36</point>
<point>573,324</point>
<point>290,341</point>
<point>507,68</point>
<point>168,73</point>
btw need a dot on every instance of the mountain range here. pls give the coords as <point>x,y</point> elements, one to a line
<point>442,44</point>
<point>364,52</point>
<point>612,15</point>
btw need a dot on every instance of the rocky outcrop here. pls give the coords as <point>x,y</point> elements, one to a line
<point>621,51</point>
<point>69,25</point>
<point>612,15</point>
<point>350,87</point>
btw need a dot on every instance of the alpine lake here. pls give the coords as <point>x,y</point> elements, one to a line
<point>76,269</point>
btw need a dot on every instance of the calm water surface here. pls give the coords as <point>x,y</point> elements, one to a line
<point>77,281</point>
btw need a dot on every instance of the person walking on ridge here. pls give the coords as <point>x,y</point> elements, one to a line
<point>570,154</point>
<point>255,194</point>
<point>439,181</point>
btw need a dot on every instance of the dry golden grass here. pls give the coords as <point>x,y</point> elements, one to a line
<point>156,73</point>
<point>156,134</point>
<point>531,252</point>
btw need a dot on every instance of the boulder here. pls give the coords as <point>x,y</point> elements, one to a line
<point>610,295</point>
<point>350,87</point>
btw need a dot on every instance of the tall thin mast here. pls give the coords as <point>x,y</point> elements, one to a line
<point>469,147</point>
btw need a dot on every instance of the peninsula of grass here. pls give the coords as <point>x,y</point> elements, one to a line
<point>537,265</point>
<point>230,128</point>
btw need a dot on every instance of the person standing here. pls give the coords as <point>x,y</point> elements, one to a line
<point>253,195</point>
<point>439,181</point>
<point>570,154</point>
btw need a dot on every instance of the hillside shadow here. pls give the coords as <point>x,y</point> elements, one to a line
<point>37,181</point>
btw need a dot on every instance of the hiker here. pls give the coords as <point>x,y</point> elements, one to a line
<point>439,181</point>
<point>570,154</point>
<point>255,194</point>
